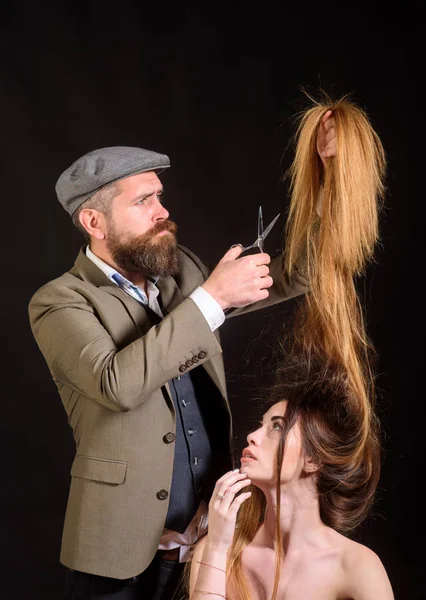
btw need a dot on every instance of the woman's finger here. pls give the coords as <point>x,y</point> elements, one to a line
<point>235,506</point>
<point>229,496</point>
<point>225,482</point>
<point>226,476</point>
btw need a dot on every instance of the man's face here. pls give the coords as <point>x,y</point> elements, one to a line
<point>140,237</point>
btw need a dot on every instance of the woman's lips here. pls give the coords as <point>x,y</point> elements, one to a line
<point>247,455</point>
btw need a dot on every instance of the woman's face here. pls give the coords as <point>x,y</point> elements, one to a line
<point>259,457</point>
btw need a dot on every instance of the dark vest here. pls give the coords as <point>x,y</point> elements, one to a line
<point>202,452</point>
<point>193,460</point>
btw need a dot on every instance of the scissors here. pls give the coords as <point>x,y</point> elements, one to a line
<point>261,234</point>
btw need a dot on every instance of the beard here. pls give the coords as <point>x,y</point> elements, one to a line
<point>146,254</point>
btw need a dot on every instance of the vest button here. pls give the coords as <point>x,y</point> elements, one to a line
<point>162,495</point>
<point>169,438</point>
<point>182,368</point>
<point>202,354</point>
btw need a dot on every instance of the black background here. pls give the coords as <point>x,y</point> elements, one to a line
<point>215,86</point>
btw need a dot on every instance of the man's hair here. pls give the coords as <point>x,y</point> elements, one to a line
<point>101,201</point>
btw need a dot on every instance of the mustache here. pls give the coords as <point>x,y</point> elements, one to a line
<point>166,225</point>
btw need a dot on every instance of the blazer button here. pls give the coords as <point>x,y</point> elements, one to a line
<point>202,354</point>
<point>182,368</point>
<point>189,363</point>
<point>195,359</point>
<point>169,438</point>
<point>162,495</point>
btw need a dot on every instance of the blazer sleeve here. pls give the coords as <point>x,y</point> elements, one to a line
<point>283,288</point>
<point>81,354</point>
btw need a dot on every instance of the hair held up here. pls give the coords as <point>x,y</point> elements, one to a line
<point>332,229</point>
<point>325,372</point>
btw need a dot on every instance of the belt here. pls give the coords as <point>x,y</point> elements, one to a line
<point>169,554</point>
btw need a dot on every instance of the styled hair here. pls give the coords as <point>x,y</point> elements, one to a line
<point>101,201</point>
<point>318,396</point>
<point>326,373</point>
<point>332,229</point>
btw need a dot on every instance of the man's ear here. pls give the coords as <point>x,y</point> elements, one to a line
<point>93,222</point>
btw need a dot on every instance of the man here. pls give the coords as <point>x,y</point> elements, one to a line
<point>130,335</point>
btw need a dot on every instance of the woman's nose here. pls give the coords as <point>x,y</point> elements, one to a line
<point>254,437</point>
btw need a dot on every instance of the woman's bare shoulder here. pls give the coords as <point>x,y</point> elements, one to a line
<point>365,573</point>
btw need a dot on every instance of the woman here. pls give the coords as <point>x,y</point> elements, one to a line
<point>314,462</point>
<point>290,540</point>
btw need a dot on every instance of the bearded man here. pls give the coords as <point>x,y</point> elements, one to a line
<point>130,336</point>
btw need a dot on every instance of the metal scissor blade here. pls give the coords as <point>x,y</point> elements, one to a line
<point>260,235</point>
<point>255,245</point>
<point>271,224</point>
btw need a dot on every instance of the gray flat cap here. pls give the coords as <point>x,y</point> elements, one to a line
<point>99,167</point>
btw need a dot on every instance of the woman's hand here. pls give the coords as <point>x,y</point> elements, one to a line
<point>223,508</point>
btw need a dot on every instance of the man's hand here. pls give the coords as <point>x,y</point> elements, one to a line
<point>239,281</point>
<point>326,139</point>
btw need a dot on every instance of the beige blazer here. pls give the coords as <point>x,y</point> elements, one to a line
<point>111,368</point>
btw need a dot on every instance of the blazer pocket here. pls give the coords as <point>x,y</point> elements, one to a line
<point>99,469</point>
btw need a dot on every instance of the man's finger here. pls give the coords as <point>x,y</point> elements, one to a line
<point>233,253</point>
<point>261,259</point>
<point>326,117</point>
<point>329,125</point>
<point>331,134</point>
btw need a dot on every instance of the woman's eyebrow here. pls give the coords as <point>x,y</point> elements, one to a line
<point>275,417</point>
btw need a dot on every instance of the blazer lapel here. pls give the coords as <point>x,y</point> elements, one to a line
<point>170,294</point>
<point>135,310</point>
<point>88,271</point>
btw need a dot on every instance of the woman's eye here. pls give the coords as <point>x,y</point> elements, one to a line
<point>277,426</point>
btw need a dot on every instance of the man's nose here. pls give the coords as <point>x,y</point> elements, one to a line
<point>160,213</point>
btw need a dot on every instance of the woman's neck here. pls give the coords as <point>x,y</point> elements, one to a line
<point>300,520</point>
